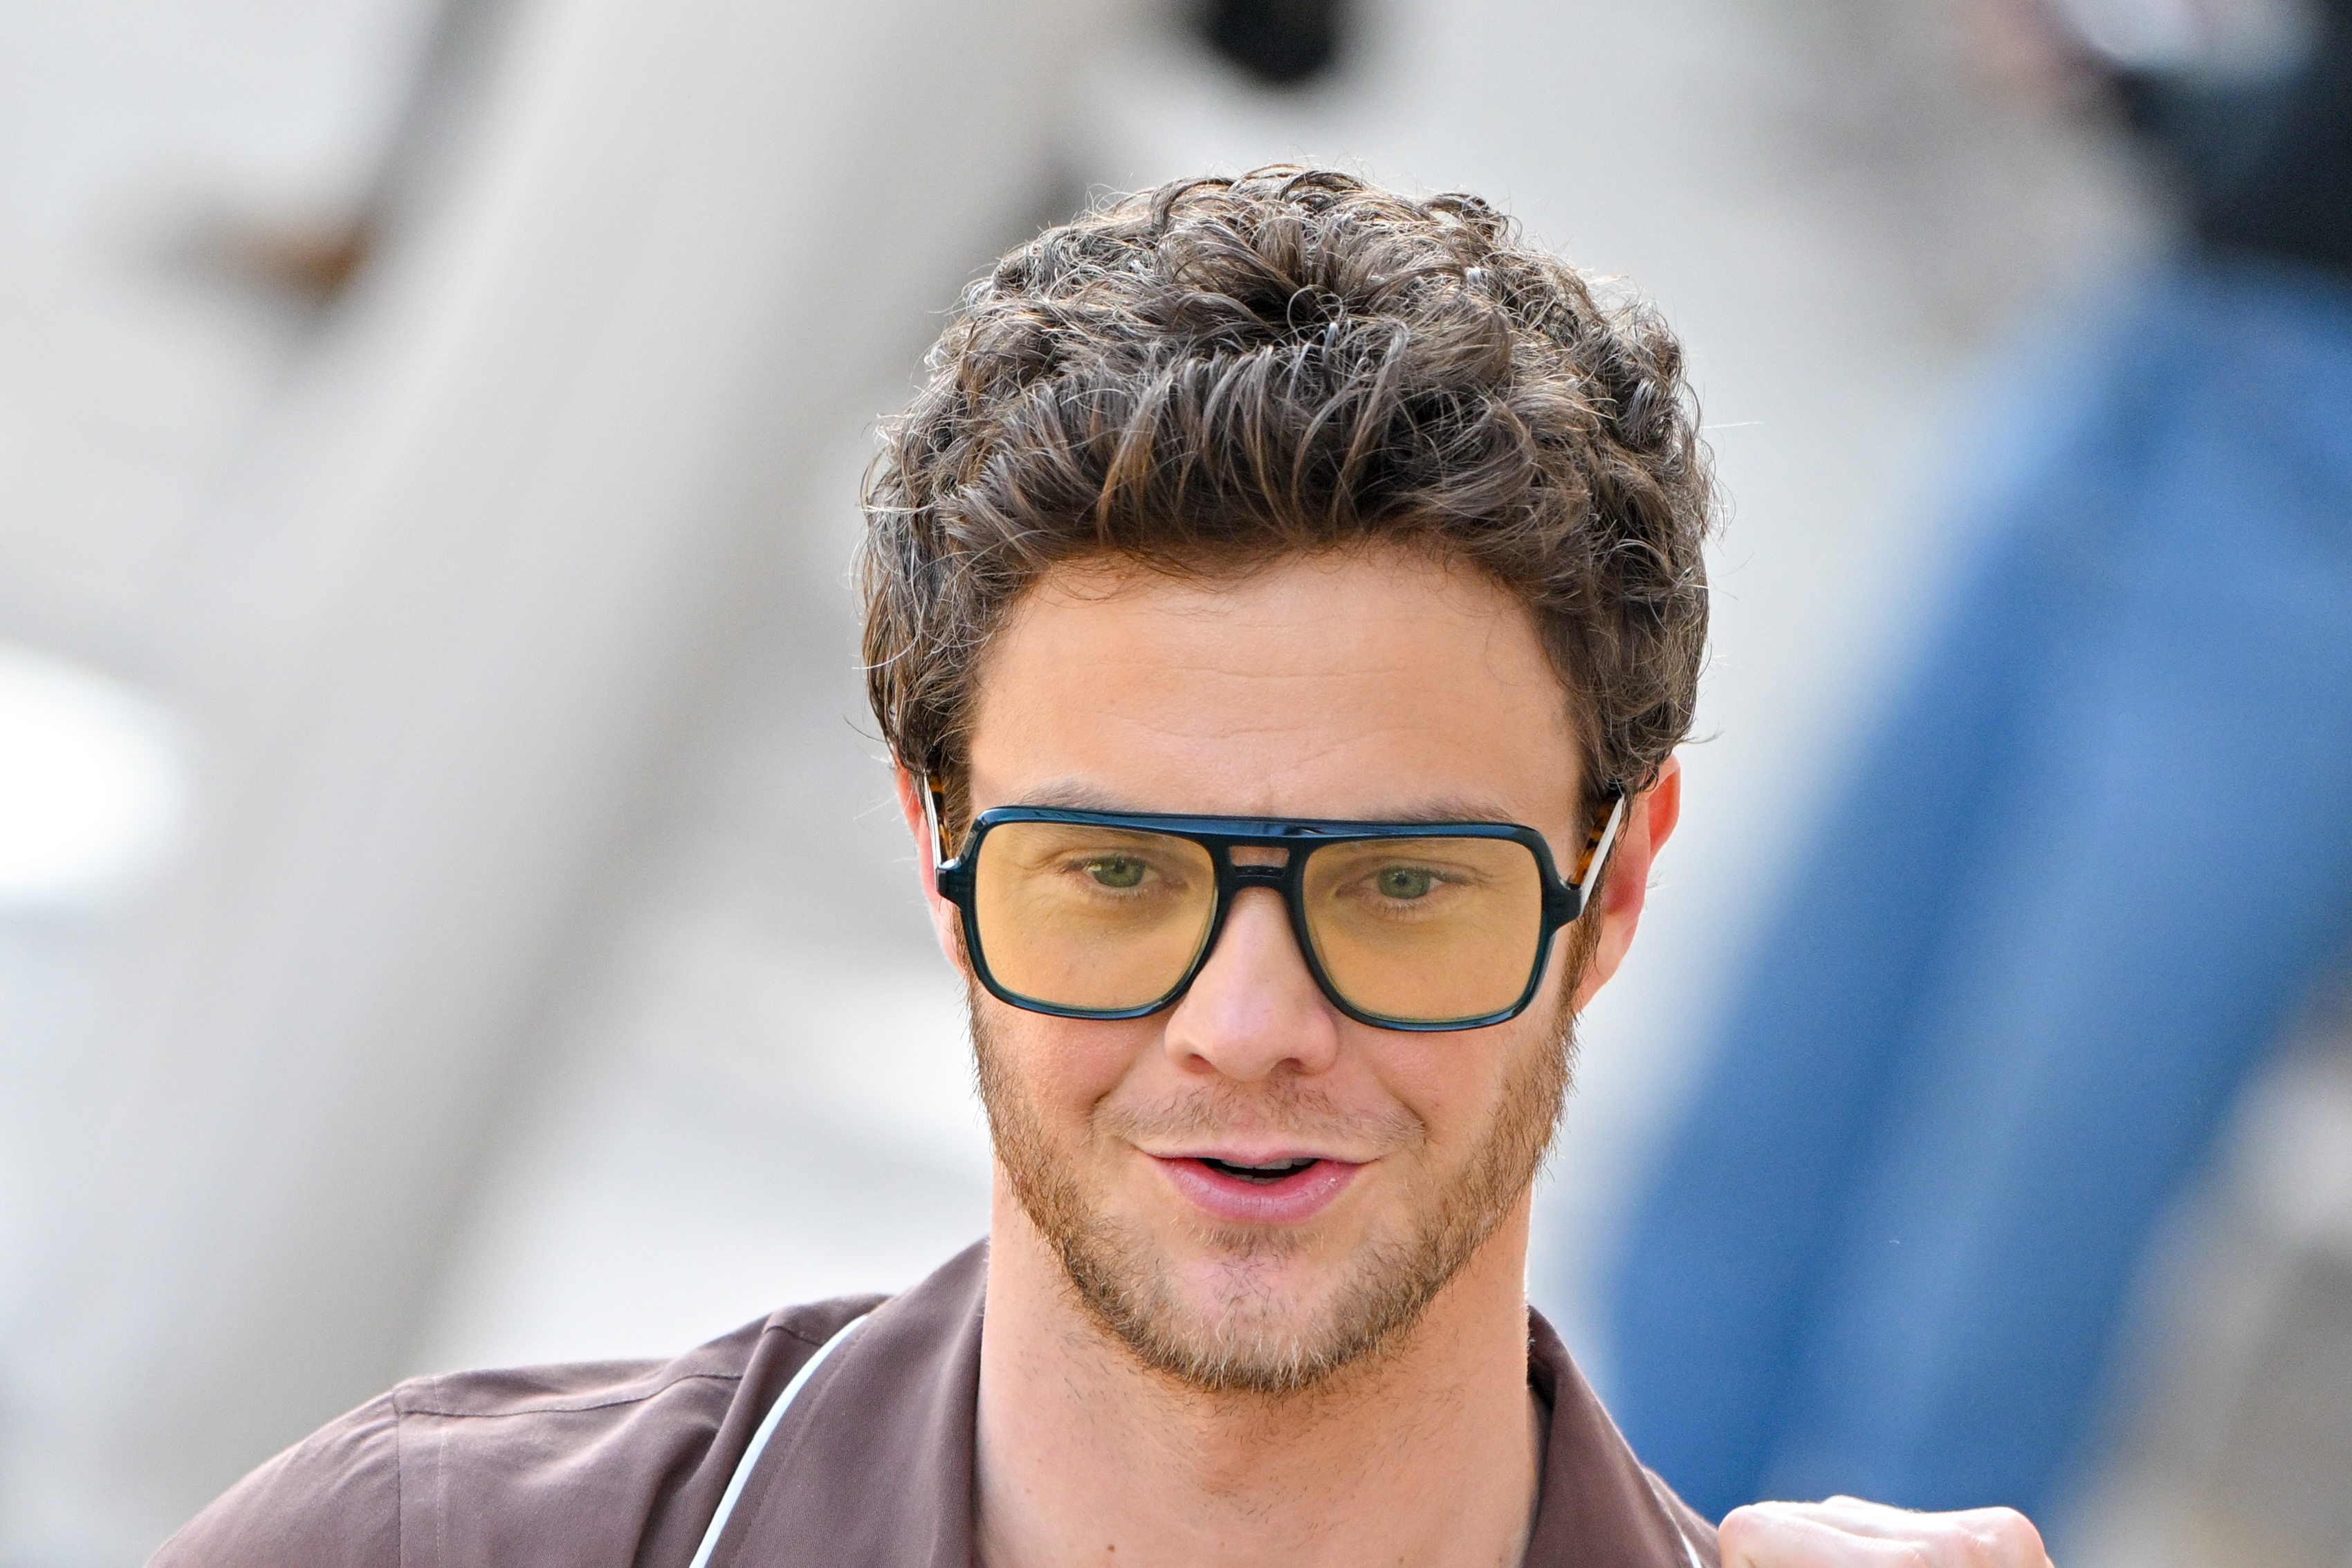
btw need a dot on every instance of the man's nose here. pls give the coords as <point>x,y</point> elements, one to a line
<point>1253,1009</point>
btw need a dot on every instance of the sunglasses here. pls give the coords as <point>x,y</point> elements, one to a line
<point>1404,926</point>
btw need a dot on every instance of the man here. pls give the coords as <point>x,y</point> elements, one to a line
<point>1282,603</point>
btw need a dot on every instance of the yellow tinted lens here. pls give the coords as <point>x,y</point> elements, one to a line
<point>1080,917</point>
<point>1426,930</point>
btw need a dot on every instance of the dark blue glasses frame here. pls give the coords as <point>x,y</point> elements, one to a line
<point>1563,901</point>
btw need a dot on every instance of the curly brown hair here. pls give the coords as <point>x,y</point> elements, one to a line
<point>1220,372</point>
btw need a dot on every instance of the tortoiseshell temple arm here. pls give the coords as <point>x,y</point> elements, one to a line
<point>935,818</point>
<point>1597,847</point>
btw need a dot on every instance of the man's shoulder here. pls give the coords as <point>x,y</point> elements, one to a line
<point>581,1464</point>
<point>332,1500</point>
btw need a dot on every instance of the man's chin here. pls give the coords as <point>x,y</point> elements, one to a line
<point>1264,1283</point>
<point>1247,1313</point>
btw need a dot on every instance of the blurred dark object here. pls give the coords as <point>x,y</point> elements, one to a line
<point>310,261</point>
<point>1281,42</point>
<point>314,257</point>
<point>2093,858</point>
<point>2250,101</point>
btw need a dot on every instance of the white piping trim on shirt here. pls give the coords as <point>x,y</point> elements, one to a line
<point>760,1440</point>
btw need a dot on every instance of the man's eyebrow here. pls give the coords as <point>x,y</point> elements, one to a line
<point>1448,809</point>
<point>1073,796</point>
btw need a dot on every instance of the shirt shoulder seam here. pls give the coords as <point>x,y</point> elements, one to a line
<point>560,1404</point>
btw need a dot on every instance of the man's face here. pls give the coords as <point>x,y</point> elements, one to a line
<point>1363,687</point>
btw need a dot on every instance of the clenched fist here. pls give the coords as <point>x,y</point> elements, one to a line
<point>1847,1532</point>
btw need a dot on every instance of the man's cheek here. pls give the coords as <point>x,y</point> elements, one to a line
<point>1070,1068</point>
<point>1451,1093</point>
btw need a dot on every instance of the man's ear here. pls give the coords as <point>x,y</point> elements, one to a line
<point>945,922</point>
<point>1650,819</point>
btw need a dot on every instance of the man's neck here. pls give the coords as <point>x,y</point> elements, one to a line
<point>1429,1456</point>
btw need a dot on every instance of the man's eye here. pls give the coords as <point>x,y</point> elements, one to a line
<point>1116,871</point>
<point>1404,882</point>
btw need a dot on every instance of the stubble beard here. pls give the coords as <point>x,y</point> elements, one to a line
<point>1253,1340</point>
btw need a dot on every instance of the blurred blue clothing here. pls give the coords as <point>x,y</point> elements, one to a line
<point>2096,855</point>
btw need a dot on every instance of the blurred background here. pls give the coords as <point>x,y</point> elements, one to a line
<point>451,909</point>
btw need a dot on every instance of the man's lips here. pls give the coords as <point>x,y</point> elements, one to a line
<point>1258,1189</point>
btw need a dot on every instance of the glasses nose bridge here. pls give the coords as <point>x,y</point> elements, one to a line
<point>1254,861</point>
<point>1236,875</point>
<point>1281,876</point>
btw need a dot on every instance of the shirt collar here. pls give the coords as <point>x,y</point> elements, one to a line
<point>872,1465</point>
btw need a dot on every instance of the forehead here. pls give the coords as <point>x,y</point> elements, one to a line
<point>1363,683</point>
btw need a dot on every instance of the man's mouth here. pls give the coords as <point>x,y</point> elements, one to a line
<point>1263,1176</point>
<point>1283,1191</point>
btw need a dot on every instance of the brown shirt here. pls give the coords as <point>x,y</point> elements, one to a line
<point>623,1464</point>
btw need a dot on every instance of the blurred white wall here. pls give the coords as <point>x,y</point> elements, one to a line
<point>540,973</point>
<point>435,628</point>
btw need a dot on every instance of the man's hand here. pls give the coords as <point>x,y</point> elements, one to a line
<point>1847,1532</point>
